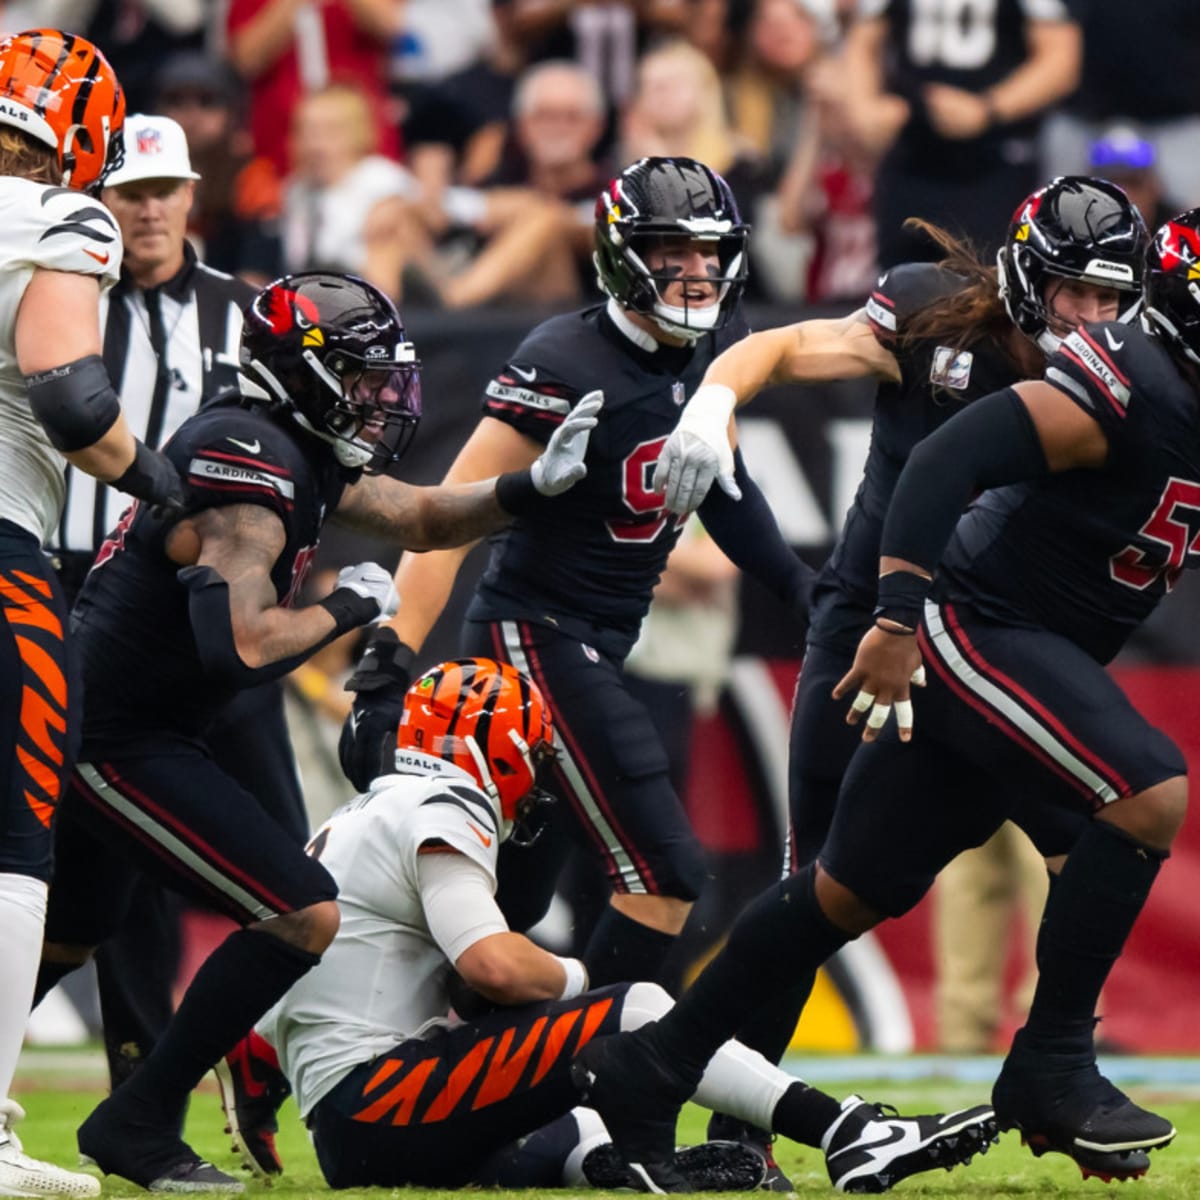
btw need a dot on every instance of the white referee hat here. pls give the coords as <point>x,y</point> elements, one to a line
<point>155,148</point>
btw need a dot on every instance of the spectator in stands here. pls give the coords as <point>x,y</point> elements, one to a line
<point>343,206</point>
<point>953,108</point>
<point>678,110</point>
<point>604,36</point>
<point>286,48</point>
<point>826,193</point>
<point>137,35</point>
<point>1129,160</point>
<point>234,221</point>
<point>1140,72</point>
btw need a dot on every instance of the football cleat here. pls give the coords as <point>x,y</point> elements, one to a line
<point>21,1175</point>
<point>1061,1103</point>
<point>150,1156</point>
<point>638,1097</point>
<point>714,1166</point>
<point>722,1127</point>
<point>252,1090</point>
<point>870,1147</point>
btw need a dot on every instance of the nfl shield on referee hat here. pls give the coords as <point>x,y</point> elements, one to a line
<point>155,148</point>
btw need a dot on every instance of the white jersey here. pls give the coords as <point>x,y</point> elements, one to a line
<point>384,978</point>
<point>61,230</point>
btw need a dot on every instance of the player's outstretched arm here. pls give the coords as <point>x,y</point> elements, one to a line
<point>494,450</point>
<point>700,450</point>
<point>226,555</point>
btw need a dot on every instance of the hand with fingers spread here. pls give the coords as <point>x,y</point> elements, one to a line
<point>561,464</point>
<point>698,451</point>
<point>886,665</point>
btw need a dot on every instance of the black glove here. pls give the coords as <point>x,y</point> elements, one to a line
<point>152,477</point>
<point>367,747</point>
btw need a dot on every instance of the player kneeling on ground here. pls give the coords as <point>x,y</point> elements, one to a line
<point>396,1093</point>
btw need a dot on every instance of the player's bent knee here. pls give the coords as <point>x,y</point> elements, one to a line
<point>312,928</point>
<point>1154,816</point>
<point>667,914</point>
<point>643,1002</point>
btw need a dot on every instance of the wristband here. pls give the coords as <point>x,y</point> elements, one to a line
<point>901,598</point>
<point>905,631</point>
<point>348,609</point>
<point>516,493</point>
<point>577,979</point>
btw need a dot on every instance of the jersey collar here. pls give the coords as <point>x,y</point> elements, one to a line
<point>639,337</point>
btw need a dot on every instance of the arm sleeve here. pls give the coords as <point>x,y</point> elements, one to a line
<point>533,402</point>
<point>69,231</point>
<point>990,443</point>
<point>456,895</point>
<point>747,531</point>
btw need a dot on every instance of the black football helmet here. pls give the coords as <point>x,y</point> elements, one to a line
<point>331,350</point>
<point>1077,228</point>
<point>1172,283</point>
<point>659,198</point>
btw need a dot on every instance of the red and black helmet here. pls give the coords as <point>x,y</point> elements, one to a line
<point>1172,283</point>
<point>1078,228</point>
<point>489,720</point>
<point>331,350</point>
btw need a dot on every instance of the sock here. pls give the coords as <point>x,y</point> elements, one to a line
<point>804,1114</point>
<point>622,950</point>
<point>22,919</point>
<point>237,983</point>
<point>779,939</point>
<point>1092,908</point>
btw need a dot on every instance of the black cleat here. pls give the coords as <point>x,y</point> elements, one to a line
<point>1061,1103</point>
<point>638,1097</point>
<point>252,1089</point>
<point>153,1157</point>
<point>715,1166</point>
<point>722,1127</point>
<point>870,1147</point>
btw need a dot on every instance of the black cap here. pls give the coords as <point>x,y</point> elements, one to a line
<point>195,71</point>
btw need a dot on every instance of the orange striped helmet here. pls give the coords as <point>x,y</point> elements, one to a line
<point>487,718</point>
<point>60,89</point>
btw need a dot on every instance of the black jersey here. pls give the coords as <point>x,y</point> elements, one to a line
<point>965,45</point>
<point>935,382</point>
<point>1088,554</point>
<point>142,672</point>
<point>588,560</point>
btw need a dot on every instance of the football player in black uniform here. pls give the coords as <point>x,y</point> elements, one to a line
<point>1094,478</point>
<point>180,613</point>
<point>950,93</point>
<point>936,337</point>
<point>565,591</point>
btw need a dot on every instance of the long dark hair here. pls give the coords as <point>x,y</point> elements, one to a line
<point>968,314</point>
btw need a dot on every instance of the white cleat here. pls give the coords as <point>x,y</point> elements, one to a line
<point>21,1175</point>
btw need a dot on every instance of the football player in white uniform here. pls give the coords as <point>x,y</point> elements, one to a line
<point>61,112</point>
<point>394,1093</point>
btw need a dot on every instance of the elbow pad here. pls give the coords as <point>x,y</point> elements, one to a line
<point>212,628</point>
<point>75,403</point>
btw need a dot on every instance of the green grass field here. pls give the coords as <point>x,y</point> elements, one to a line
<point>58,1098</point>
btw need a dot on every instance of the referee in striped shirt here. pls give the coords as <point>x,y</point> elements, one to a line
<point>171,330</point>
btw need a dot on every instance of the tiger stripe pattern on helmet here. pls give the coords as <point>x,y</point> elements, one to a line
<point>59,89</point>
<point>486,718</point>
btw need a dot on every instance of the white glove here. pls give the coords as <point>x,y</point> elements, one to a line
<point>370,581</point>
<point>561,466</point>
<point>698,451</point>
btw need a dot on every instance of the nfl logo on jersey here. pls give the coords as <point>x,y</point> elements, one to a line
<point>951,368</point>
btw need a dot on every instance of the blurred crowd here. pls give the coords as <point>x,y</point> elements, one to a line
<point>450,151</point>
